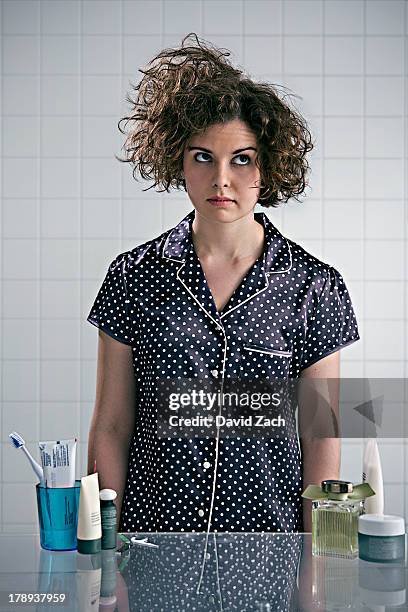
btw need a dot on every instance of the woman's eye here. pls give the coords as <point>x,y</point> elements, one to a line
<point>197,154</point>
<point>246,158</point>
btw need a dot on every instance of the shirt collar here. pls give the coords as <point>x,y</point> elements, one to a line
<point>277,252</point>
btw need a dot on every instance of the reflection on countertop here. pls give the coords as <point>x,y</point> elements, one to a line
<point>245,572</point>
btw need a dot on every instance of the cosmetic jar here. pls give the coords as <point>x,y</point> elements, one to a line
<point>381,584</point>
<point>108,518</point>
<point>381,538</point>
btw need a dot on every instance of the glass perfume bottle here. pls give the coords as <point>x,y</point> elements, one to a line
<point>335,520</point>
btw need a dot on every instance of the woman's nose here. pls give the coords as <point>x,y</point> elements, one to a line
<point>221,174</point>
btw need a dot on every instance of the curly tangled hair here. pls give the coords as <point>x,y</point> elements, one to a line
<point>185,91</point>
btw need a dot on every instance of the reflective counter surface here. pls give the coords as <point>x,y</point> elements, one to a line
<point>268,572</point>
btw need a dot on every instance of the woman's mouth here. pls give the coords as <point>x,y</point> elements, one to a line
<point>221,203</point>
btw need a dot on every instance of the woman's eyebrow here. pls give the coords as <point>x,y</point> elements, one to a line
<point>208,150</point>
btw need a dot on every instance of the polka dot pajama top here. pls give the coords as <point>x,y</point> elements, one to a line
<point>289,311</point>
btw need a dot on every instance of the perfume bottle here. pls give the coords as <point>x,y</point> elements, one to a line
<point>335,520</point>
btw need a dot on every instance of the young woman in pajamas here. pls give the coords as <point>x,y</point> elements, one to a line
<point>221,295</point>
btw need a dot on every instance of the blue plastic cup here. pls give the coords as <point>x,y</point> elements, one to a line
<point>58,516</point>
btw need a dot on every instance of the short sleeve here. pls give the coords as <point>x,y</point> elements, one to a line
<point>333,324</point>
<point>110,311</point>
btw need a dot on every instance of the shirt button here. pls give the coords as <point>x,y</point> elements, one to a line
<point>201,512</point>
<point>206,465</point>
<point>214,373</point>
<point>207,556</point>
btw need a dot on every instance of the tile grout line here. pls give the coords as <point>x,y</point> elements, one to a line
<point>109,116</point>
<point>2,262</point>
<point>230,34</point>
<point>323,133</point>
<point>283,80</point>
<point>39,224</point>
<point>162,15</point>
<point>364,216</point>
<point>404,283</point>
<point>80,221</point>
<point>121,64</point>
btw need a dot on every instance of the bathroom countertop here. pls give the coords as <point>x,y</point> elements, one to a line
<point>251,572</point>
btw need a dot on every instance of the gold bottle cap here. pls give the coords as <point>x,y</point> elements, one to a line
<point>337,486</point>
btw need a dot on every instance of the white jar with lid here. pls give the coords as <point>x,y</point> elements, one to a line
<point>381,538</point>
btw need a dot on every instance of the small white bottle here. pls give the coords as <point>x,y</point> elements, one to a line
<point>372,473</point>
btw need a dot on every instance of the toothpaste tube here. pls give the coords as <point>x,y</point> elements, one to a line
<point>58,462</point>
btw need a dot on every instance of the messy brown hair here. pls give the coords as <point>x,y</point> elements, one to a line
<point>188,89</point>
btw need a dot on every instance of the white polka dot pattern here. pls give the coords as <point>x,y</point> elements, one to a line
<point>243,573</point>
<point>289,311</point>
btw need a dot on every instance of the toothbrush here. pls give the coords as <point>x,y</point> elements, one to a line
<point>18,442</point>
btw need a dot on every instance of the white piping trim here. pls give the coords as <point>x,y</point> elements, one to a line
<point>215,467</point>
<point>290,264</point>
<point>267,285</point>
<point>247,299</point>
<point>268,351</point>
<point>218,427</point>
<point>171,259</point>
<point>195,299</point>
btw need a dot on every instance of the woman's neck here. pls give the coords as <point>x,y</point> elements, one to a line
<point>229,242</point>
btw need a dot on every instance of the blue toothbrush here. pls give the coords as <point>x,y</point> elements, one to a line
<point>18,442</point>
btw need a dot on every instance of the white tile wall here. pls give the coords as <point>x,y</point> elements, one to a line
<point>303,17</point>
<point>12,22</point>
<point>60,19</point>
<point>60,218</point>
<point>307,62</point>
<point>13,186</point>
<point>14,102</point>
<point>343,95</point>
<point>21,54</point>
<point>263,17</point>
<point>21,416</point>
<point>20,136</point>
<point>68,206</point>
<point>263,54</point>
<point>340,21</point>
<point>391,102</point>
<point>59,136</point>
<point>60,94</point>
<point>59,177</point>
<point>20,218</point>
<point>344,55</point>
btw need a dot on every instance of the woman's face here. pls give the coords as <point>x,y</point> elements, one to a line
<point>221,162</point>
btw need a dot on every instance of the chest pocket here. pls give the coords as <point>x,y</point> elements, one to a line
<point>258,361</point>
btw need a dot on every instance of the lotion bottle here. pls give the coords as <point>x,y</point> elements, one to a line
<point>372,473</point>
<point>89,516</point>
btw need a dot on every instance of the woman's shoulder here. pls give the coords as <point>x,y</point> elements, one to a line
<point>305,263</point>
<point>135,256</point>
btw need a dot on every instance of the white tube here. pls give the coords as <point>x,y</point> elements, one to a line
<point>58,462</point>
<point>89,532</point>
<point>89,577</point>
<point>372,473</point>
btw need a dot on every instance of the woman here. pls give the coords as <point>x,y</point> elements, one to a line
<point>221,295</point>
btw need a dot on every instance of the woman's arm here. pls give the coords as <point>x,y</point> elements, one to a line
<point>320,455</point>
<point>114,415</point>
